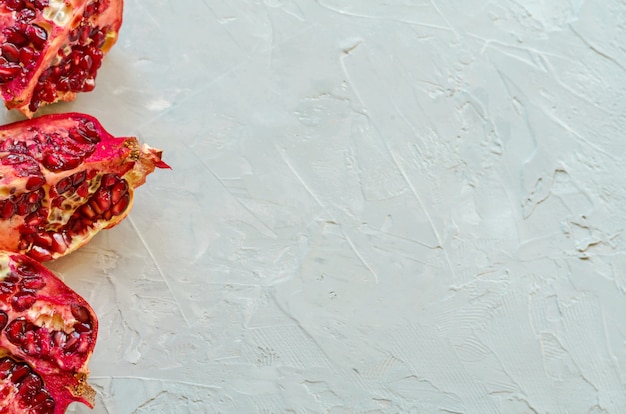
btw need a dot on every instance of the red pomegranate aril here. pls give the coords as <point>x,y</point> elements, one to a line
<point>102,200</point>
<point>8,71</point>
<point>27,55</point>
<point>121,205</point>
<point>5,368</point>
<point>14,4</point>
<point>10,52</point>
<point>118,190</point>
<point>7,210</point>
<point>79,178</point>
<point>59,243</point>
<point>87,211</point>
<point>35,183</point>
<point>40,254</point>
<point>43,240</point>
<point>23,301</point>
<point>64,185</point>
<point>29,388</point>
<point>19,373</point>
<point>36,34</point>
<point>32,284</point>
<point>4,318</point>
<point>22,209</point>
<point>16,36</point>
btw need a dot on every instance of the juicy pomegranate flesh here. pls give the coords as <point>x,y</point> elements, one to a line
<point>63,178</point>
<point>52,49</point>
<point>47,335</point>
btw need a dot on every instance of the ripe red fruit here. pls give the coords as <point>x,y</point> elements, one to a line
<point>63,178</point>
<point>47,335</point>
<point>52,49</point>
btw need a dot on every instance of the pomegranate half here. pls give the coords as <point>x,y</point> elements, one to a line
<point>47,335</point>
<point>52,49</point>
<point>63,178</point>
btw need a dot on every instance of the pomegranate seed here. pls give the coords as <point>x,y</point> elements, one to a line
<point>64,185</point>
<point>35,283</point>
<point>6,365</point>
<point>83,190</point>
<point>80,313</point>
<point>82,327</point>
<point>40,4</point>
<point>35,196</point>
<point>54,161</point>
<point>34,105</point>
<point>30,387</point>
<point>40,254</point>
<point>59,338</point>
<point>7,210</point>
<point>108,180</point>
<point>59,243</point>
<point>14,4</point>
<point>35,183</point>
<point>37,35</point>
<point>64,85</point>
<point>57,202</point>
<point>4,318</point>
<point>89,133</point>
<point>26,270</point>
<point>90,10</point>
<point>22,210</point>
<point>27,55</point>
<point>23,301</point>
<point>72,342</point>
<point>79,178</point>
<point>121,206</point>
<point>118,190</point>
<point>8,71</point>
<point>33,219</point>
<point>25,15</point>
<point>7,288</point>
<point>89,85</point>
<point>15,330</point>
<point>10,52</point>
<point>17,37</point>
<point>20,372</point>
<point>103,200</point>
<point>87,211</point>
<point>43,240</point>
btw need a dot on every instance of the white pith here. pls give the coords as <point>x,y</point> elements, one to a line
<point>58,12</point>
<point>5,270</point>
<point>43,314</point>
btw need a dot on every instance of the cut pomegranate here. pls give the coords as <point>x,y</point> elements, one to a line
<point>48,333</point>
<point>63,178</point>
<point>52,49</point>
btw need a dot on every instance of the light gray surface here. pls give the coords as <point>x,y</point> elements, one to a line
<point>375,207</point>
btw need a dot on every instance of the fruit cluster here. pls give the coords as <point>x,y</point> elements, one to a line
<point>63,178</point>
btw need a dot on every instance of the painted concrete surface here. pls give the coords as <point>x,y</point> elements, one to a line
<point>375,207</point>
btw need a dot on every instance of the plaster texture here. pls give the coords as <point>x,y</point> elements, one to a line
<point>410,206</point>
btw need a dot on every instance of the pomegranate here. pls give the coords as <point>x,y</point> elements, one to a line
<point>48,333</point>
<point>52,49</point>
<point>63,178</point>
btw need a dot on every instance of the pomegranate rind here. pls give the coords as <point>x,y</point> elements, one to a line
<point>63,369</point>
<point>122,158</point>
<point>18,92</point>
